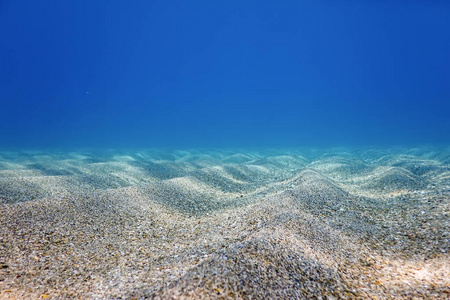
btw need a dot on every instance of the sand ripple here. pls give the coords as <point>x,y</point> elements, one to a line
<point>225,224</point>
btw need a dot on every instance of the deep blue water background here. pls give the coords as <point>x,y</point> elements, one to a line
<point>124,74</point>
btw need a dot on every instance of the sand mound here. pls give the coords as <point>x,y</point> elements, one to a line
<point>340,167</point>
<point>256,269</point>
<point>282,161</point>
<point>237,159</point>
<point>393,179</point>
<point>18,190</point>
<point>315,186</point>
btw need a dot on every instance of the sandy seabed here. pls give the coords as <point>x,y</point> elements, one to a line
<point>286,224</point>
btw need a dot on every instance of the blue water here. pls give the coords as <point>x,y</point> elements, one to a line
<point>176,74</point>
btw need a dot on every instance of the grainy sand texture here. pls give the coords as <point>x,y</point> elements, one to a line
<point>281,224</point>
